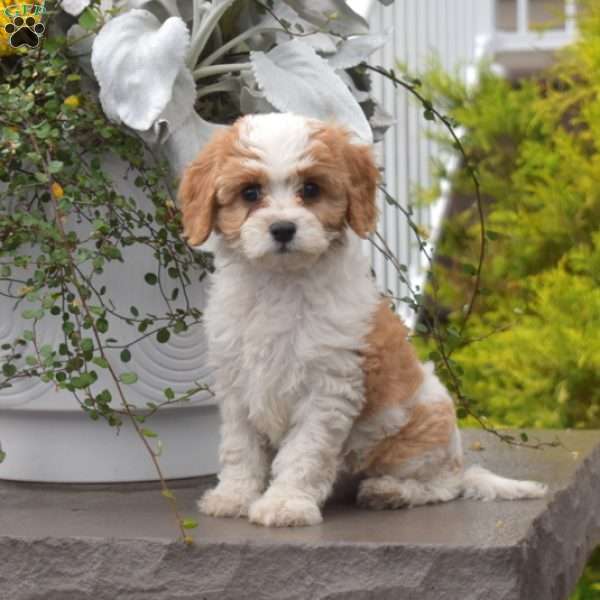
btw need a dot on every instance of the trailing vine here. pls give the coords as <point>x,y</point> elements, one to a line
<point>450,338</point>
<point>63,225</point>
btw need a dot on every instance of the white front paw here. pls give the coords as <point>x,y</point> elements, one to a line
<point>227,501</point>
<point>282,511</point>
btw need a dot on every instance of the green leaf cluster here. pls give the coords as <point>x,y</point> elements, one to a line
<point>531,357</point>
<point>532,351</point>
<point>64,224</point>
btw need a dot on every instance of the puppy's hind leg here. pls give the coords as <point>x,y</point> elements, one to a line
<point>421,464</point>
<point>389,492</point>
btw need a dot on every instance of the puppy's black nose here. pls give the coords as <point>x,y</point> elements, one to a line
<point>282,231</point>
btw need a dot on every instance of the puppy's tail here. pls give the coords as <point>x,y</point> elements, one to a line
<point>481,484</point>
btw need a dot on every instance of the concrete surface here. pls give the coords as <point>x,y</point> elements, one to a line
<point>113,543</point>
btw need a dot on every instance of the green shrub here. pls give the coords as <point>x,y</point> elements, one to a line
<point>534,356</point>
<point>589,585</point>
<point>536,144</point>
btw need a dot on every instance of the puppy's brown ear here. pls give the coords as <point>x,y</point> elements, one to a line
<point>362,189</point>
<point>198,192</point>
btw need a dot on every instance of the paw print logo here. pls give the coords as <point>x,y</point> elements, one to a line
<point>24,32</point>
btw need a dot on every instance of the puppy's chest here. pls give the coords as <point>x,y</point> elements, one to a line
<point>279,341</point>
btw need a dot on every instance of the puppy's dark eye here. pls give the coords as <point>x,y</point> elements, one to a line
<point>251,193</point>
<point>310,190</point>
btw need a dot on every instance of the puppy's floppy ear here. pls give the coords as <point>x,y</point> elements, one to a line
<point>198,192</point>
<point>362,188</point>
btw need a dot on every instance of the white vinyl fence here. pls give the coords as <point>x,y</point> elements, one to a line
<point>459,33</point>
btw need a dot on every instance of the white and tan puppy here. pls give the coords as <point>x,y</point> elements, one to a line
<point>313,371</point>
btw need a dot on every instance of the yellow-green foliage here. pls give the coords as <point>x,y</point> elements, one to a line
<point>538,150</point>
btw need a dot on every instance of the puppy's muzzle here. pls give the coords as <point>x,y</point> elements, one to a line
<point>283,231</point>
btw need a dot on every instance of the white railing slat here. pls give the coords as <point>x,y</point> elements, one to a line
<point>522,16</point>
<point>460,32</point>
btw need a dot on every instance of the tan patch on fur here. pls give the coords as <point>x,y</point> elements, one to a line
<point>430,427</point>
<point>197,191</point>
<point>218,168</point>
<point>342,166</point>
<point>232,209</point>
<point>362,209</point>
<point>391,367</point>
<point>331,206</point>
<point>393,374</point>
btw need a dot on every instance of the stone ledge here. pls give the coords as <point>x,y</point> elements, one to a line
<point>113,543</point>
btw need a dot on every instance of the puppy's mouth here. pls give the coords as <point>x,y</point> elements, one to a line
<point>286,256</point>
<point>274,245</point>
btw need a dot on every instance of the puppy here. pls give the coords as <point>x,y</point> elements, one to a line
<point>313,371</point>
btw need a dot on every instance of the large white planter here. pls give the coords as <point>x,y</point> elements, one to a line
<point>48,437</point>
<point>66,446</point>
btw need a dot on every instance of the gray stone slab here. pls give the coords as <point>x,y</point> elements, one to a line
<point>113,543</point>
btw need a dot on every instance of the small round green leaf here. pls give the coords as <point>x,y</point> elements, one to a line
<point>128,378</point>
<point>163,336</point>
<point>8,370</point>
<point>102,325</point>
<point>189,523</point>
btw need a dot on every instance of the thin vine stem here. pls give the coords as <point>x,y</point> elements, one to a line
<point>166,492</point>
<point>432,114</point>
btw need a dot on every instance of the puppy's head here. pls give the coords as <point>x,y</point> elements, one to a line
<point>280,189</point>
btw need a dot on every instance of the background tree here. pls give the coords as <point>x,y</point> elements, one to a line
<point>532,355</point>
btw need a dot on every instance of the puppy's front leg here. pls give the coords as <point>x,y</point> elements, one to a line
<point>305,467</point>
<point>244,464</point>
